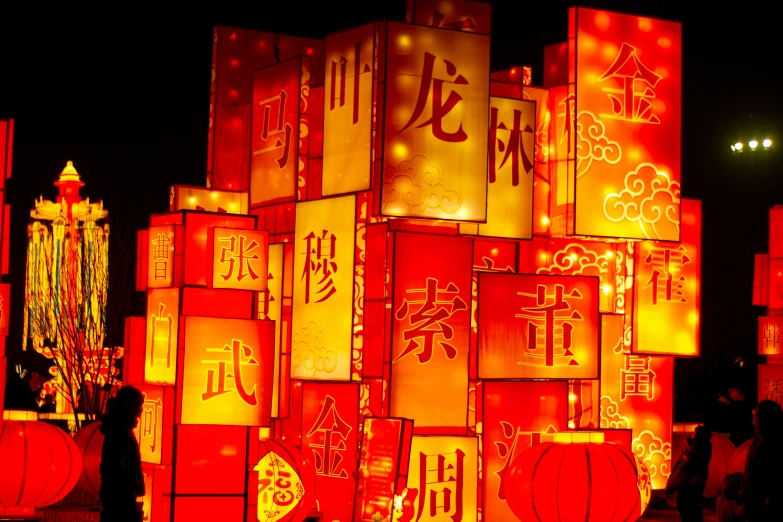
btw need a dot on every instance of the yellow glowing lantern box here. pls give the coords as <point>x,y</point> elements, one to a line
<point>240,259</point>
<point>185,197</point>
<point>160,362</point>
<point>458,15</point>
<point>435,128</point>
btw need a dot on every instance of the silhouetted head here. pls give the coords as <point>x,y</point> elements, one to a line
<point>768,419</point>
<point>736,394</point>
<point>125,407</point>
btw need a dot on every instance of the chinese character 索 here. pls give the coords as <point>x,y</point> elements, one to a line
<point>275,135</point>
<point>513,146</point>
<point>161,250</point>
<point>332,433</point>
<point>339,68</point>
<point>637,378</point>
<point>239,256</point>
<point>666,279</point>
<point>241,355</point>
<point>319,262</point>
<point>628,102</point>
<point>440,109</point>
<point>550,327</point>
<point>162,337</point>
<point>441,481</point>
<point>435,307</point>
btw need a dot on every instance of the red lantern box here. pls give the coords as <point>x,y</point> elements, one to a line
<point>584,397</point>
<point>142,259</point>
<point>229,508</point>
<point>135,350</point>
<point>210,460</point>
<point>185,197</point>
<point>155,429</point>
<point>769,336</point>
<point>771,383</point>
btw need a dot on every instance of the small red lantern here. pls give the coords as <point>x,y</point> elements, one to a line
<point>555,482</point>
<point>286,482</point>
<point>41,464</point>
<point>89,440</point>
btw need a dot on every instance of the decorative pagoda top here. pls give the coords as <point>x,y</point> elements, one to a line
<point>69,204</point>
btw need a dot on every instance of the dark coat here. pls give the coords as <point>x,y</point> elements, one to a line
<point>121,475</point>
<point>762,486</point>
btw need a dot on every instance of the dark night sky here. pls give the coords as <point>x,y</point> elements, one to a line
<point>126,95</point>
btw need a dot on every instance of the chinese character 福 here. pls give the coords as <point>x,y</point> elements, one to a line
<point>637,378</point>
<point>628,103</point>
<point>334,434</point>
<point>666,279</point>
<point>241,355</point>
<point>550,327</point>
<point>275,135</point>
<point>319,261</point>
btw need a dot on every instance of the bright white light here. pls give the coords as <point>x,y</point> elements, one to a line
<point>733,148</point>
<point>738,145</point>
<point>767,143</point>
<point>753,144</point>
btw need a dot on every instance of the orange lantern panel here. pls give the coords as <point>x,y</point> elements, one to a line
<point>776,232</point>
<point>142,259</point>
<point>212,507</point>
<point>210,460</point>
<point>546,324</point>
<point>769,336</point>
<point>149,431</point>
<point>584,397</point>
<point>210,302</point>
<point>162,262</point>
<point>135,350</point>
<point>457,15</point>
<point>770,383</point>
<point>200,198</point>
<point>197,238</point>
<point>239,259</point>
<point>160,363</point>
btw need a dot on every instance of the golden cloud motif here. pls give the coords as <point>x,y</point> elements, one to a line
<point>610,415</point>
<point>309,349</point>
<point>575,259</point>
<point>592,144</point>
<point>650,199</point>
<point>656,456</point>
<point>414,186</point>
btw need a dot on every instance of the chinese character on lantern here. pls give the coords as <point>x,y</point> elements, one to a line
<point>569,121</point>
<point>666,279</point>
<point>275,133</point>
<point>631,102</point>
<point>770,335</point>
<point>774,389</point>
<point>637,378</point>
<point>265,299</point>
<point>319,266</point>
<point>513,146</point>
<point>550,327</point>
<point>238,255</point>
<point>334,432</point>
<point>441,483</point>
<point>339,68</point>
<point>161,248</point>
<point>162,330</point>
<point>440,109</point>
<point>148,423</point>
<point>435,307</point>
<point>241,355</point>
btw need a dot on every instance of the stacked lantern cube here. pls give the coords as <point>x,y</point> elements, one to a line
<point>413,270</point>
<point>6,153</point>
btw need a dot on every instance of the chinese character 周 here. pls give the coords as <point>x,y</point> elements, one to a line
<point>441,479</point>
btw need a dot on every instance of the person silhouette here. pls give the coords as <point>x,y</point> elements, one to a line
<point>761,483</point>
<point>121,476</point>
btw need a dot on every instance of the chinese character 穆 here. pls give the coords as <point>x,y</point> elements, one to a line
<point>637,378</point>
<point>441,481</point>
<point>666,279</point>
<point>239,256</point>
<point>339,69</point>
<point>241,355</point>
<point>278,131</point>
<point>320,252</point>
<point>550,327</point>
<point>628,103</point>
<point>334,433</point>
<point>162,333</point>
<point>161,251</point>
<point>513,147</point>
<point>440,109</point>
<point>435,307</point>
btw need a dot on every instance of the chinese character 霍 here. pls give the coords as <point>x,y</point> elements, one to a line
<point>327,447</point>
<point>239,256</point>
<point>666,279</point>
<point>241,355</point>
<point>277,134</point>
<point>440,109</point>
<point>339,69</point>
<point>513,147</point>
<point>319,262</point>
<point>637,378</point>
<point>162,337</point>
<point>441,480</point>
<point>436,306</point>
<point>770,335</point>
<point>550,327</point>
<point>161,251</point>
<point>631,102</point>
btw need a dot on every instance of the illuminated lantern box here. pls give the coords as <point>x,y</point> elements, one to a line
<point>135,350</point>
<point>770,384</point>
<point>185,197</point>
<point>617,168</point>
<point>155,431</point>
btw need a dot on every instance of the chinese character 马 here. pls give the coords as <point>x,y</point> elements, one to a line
<point>637,378</point>
<point>666,279</point>
<point>241,355</point>
<point>237,253</point>
<point>275,135</point>
<point>550,327</point>
<point>332,433</point>
<point>440,109</point>
<point>436,306</point>
<point>339,69</point>
<point>513,146</point>
<point>441,481</point>
<point>161,250</point>
<point>628,102</point>
<point>319,262</point>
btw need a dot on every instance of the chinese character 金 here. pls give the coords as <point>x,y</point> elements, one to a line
<point>440,109</point>
<point>628,102</point>
<point>241,355</point>
<point>275,135</point>
<point>666,279</point>
<point>436,306</point>
<point>550,327</point>
<point>319,262</point>
<point>637,378</point>
<point>239,256</point>
<point>513,147</point>
<point>334,434</point>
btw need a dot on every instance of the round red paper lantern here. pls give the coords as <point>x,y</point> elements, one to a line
<point>40,464</point>
<point>286,482</point>
<point>553,482</point>
<point>89,440</point>
<point>737,461</point>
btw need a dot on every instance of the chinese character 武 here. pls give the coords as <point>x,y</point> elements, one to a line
<point>637,378</point>
<point>334,434</point>
<point>440,109</point>
<point>237,253</point>
<point>666,279</point>
<point>513,147</point>
<point>275,135</point>
<point>319,263</point>
<point>441,481</point>
<point>550,327</point>
<point>436,306</point>
<point>628,102</point>
<point>241,355</point>
<point>339,68</point>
